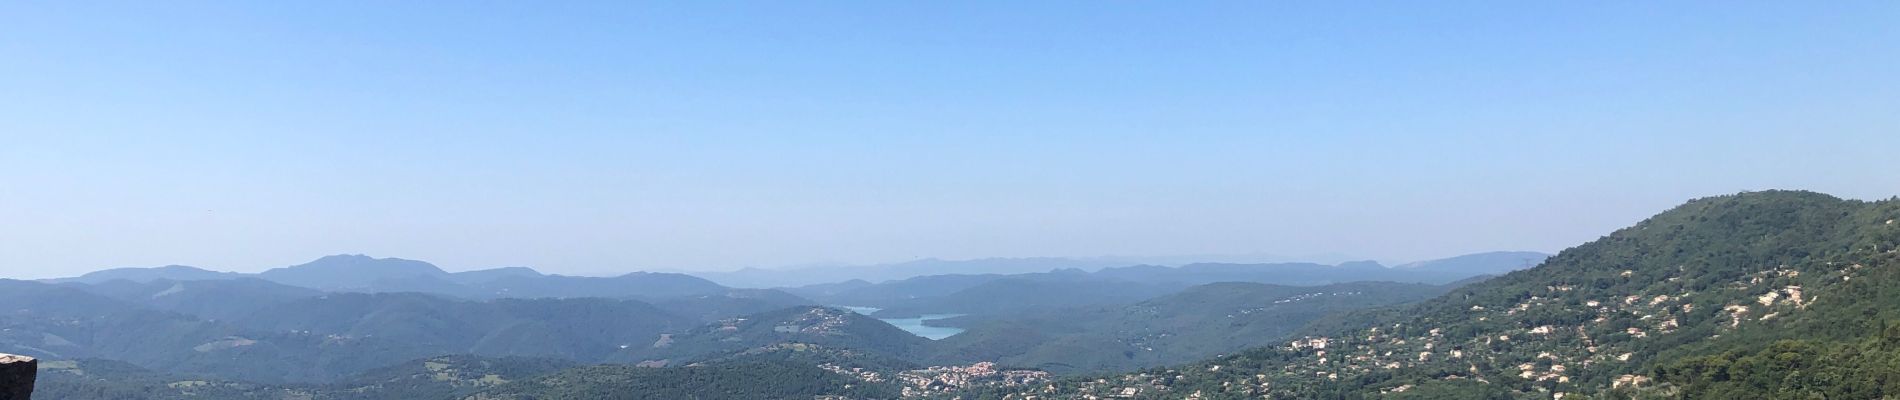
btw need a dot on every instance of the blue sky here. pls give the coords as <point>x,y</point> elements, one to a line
<point>602,137</point>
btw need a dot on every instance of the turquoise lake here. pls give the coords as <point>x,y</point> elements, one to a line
<point>915,325</point>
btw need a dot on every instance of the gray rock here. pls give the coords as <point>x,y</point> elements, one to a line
<point>16,376</point>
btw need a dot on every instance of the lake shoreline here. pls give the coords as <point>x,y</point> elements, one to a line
<point>916,326</point>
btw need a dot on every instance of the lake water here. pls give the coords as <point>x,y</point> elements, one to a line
<point>914,325</point>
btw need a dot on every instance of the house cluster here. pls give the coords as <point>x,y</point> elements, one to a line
<point>945,379</point>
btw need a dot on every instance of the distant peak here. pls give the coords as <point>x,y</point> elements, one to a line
<point>362,259</point>
<point>1361,264</point>
<point>345,257</point>
<point>518,270</point>
<point>350,271</point>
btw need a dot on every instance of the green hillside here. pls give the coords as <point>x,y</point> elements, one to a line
<point>1200,322</point>
<point>736,380</point>
<point>823,326</point>
<point>1758,295</point>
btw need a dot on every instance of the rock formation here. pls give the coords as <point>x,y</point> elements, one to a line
<point>16,376</point>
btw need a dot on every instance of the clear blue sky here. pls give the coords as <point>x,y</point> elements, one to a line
<point>604,137</point>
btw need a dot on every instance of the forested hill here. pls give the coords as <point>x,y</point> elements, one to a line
<point>443,377</point>
<point>1200,322</point>
<point>1775,294</point>
<point>814,325</point>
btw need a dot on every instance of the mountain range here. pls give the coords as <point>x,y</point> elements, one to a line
<point>823,274</point>
<point>330,321</point>
<point>332,327</point>
<point>993,294</point>
<point>359,273</point>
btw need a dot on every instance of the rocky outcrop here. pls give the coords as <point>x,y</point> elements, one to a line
<point>16,376</point>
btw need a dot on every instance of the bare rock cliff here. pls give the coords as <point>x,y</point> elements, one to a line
<point>16,376</point>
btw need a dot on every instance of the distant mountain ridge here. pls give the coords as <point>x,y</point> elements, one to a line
<point>346,272</point>
<point>221,299</point>
<point>766,278</point>
<point>172,272</point>
<point>361,273</point>
<point>1491,263</point>
<point>818,274</point>
<point>1003,293</point>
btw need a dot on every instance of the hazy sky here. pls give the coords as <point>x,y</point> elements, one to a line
<point>605,137</point>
